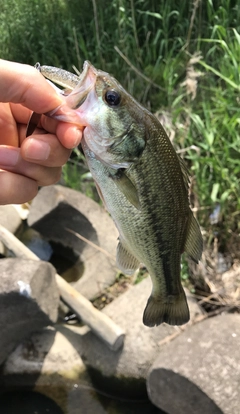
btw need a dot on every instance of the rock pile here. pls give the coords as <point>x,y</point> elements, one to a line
<point>189,369</point>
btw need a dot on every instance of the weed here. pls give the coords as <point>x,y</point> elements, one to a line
<point>179,58</point>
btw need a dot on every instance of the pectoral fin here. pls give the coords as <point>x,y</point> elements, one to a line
<point>125,260</point>
<point>194,242</point>
<point>100,193</point>
<point>126,186</point>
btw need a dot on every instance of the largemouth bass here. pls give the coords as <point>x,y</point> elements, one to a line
<point>143,184</point>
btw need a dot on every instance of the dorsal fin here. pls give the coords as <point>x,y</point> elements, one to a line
<point>185,172</point>
<point>194,243</point>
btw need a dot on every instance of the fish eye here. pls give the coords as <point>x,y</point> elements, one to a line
<point>112,97</point>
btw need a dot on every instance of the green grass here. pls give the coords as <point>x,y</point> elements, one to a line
<point>214,128</point>
<point>149,46</point>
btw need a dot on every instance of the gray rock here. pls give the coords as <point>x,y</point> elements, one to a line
<point>28,300</point>
<point>85,397</point>
<point>199,372</point>
<point>10,218</point>
<point>2,250</point>
<point>125,371</point>
<point>48,354</point>
<point>49,363</point>
<point>57,209</point>
<point>55,358</point>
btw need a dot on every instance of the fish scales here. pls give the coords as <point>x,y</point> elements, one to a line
<point>145,237</point>
<point>143,184</point>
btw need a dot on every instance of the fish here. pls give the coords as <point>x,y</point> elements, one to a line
<point>144,185</point>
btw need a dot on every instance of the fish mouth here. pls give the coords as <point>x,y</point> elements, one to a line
<point>88,69</point>
<point>86,83</point>
<point>75,99</point>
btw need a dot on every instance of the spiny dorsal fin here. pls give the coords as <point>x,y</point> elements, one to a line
<point>125,260</point>
<point>194,242</point>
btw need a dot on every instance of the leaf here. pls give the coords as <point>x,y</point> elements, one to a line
<point>221,76</point>
<point>152,14</point>
<point>225,195</point>
<point>210,138</point>
<point>214,192</point>
<point>237,35</point>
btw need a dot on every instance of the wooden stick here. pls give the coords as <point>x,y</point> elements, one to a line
<point>99,323</point>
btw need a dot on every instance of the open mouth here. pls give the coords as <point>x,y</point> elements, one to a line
<point>75,99</point>
<point>86,83</point>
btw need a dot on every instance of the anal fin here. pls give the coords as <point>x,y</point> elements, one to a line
<point>126,262</point>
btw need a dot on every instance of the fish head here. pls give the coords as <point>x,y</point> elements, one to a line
<point>114,121</point>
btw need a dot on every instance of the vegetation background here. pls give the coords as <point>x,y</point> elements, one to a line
<point>181,59</point>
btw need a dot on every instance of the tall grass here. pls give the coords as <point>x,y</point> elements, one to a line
<point>214,121</point>
<point>180,58</point>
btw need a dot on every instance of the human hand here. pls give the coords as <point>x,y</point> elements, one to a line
<point>27,163</point>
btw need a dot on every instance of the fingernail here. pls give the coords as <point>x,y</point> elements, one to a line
<point>36,150</point>
<point>76,137</point>
<point>8,156</point>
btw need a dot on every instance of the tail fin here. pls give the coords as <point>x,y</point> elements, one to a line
<point>172,310</point>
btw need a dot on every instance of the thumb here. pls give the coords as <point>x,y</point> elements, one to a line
<point>25,85</point>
